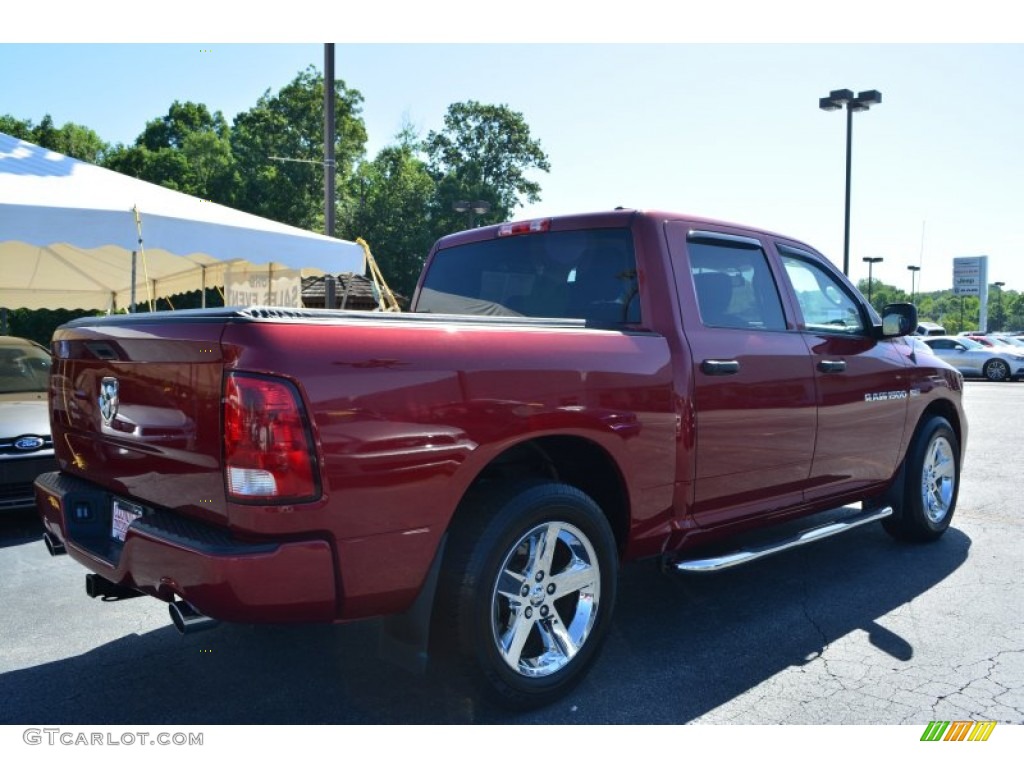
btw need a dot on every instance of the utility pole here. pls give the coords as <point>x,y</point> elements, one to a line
<point>329,133</point>
<point>330,286</point>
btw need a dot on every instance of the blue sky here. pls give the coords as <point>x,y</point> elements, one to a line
<point>727,130</point>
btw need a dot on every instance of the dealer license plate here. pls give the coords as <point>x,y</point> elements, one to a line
<point>123,513</point>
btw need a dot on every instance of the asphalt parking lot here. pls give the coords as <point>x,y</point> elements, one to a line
<point>854,630</point>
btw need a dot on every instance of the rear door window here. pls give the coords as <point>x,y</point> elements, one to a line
<point>734,284</point>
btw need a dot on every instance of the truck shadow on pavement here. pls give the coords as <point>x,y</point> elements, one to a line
<point>679,647</point>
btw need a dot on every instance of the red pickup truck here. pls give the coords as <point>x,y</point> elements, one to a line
<point>565,394</point>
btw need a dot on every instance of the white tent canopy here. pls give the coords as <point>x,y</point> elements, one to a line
<point>68,230</point>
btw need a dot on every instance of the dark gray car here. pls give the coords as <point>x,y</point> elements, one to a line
<point>26,448</point>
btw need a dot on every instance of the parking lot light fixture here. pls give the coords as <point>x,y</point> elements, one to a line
<point>862,102</point>
<point>472,208</point>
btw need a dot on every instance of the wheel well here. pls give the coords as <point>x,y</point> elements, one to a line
<point>945,409</point>
<point>572,460</point>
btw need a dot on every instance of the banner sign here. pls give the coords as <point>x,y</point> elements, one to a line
<point>249,286</point>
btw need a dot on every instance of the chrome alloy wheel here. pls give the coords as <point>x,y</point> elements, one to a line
<point>997,370</point>
<point>938,479</point>
<point>545,599</point>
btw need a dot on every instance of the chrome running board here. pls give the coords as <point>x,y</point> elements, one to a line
<point>743,556</point>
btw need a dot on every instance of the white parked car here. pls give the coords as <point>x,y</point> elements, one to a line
<point>996,363</point>
<point>26,449</point>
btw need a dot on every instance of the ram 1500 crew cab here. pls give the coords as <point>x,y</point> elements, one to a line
<point>565,394</point>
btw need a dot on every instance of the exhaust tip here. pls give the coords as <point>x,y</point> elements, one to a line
<point>53,546</point>
<point>187,619</point>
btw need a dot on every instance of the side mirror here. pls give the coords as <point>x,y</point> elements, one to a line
<point>898,320</point>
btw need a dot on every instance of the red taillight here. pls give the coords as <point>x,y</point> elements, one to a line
<point>524,227</point>
<point>268,450</point>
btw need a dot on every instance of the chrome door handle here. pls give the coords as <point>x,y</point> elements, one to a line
<point>832,366</point>
<point>720,367</point>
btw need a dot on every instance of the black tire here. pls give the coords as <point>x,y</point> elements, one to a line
<point>996,370</point>
<point>494,556</point>
<point>932,484</point>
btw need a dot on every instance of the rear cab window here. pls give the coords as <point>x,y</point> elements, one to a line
<point>588,274</point>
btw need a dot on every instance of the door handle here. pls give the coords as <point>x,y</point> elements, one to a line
<point>832,366</point>
<point>720,367</point>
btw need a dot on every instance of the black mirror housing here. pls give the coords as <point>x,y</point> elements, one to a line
<point>898,320</point>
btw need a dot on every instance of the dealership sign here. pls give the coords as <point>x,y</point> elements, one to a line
<point>970,275</point>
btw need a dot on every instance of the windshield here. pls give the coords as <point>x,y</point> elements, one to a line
<point>23,369</point>
<point>1008,341</point>
<point>588,274</point>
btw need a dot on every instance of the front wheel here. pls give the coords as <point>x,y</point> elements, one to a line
<point>932,484</point>
<point>997,370</point>
<point>527,590</point>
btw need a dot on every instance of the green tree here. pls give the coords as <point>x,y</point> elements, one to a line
<point>39,324</point>
<point>182,121</point>
<point>290,125</point>
<point>19,129</point>
<point>996,309</point>
<point>882,294</point>
<point>484,152</point>
<point>957,313</point>
<point>392,196</point>
<point>187,150</point>
<point>1014,311</point>
<point>70,139</point>
<point>926,308</point>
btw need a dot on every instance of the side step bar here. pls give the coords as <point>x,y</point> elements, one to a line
<point>743,556</point>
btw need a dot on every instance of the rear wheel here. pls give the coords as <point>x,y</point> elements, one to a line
<point>527,591</point>
<point>932,484</point>
<point>996,370</point>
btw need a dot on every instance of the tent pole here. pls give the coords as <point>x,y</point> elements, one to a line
<point>348,287</point>
<point>203,305</point>
<point>132,304</point>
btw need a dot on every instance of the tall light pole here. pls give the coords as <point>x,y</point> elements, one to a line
<point>472,208</point>
<point>862,102</point>
<point>913,273</point>
<point>871,261</point>
<point>999,302</point>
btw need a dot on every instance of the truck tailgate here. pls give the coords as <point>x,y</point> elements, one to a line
<point>136,409</point>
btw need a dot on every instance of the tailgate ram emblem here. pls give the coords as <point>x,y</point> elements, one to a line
<point>108,399</point>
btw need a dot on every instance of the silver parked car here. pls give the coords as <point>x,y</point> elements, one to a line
<point>995,363</point>
<point>26,448</point>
